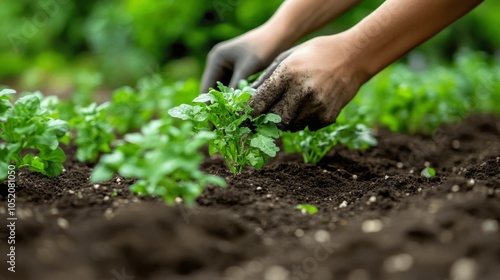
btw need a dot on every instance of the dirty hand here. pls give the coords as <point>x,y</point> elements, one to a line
<point>309,84</point>
<point>241,57</point>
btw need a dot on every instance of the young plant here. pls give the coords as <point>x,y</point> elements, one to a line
<point>240,138</point>
<point>29,136</point>
<point>428,172</point>
<point>94,134</point>
<point>128,110</point>
<point>164,158</point>
<point>307,209</point>
<point>314,145</point>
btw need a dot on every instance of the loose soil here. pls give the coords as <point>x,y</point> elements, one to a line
<point>378,218</point>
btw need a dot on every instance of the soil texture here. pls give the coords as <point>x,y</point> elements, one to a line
<point>378,218</point>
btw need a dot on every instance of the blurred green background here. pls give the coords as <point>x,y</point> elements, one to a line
<point>60,45</point>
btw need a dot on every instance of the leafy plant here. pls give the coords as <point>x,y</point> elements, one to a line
<point>128,110</point>
<point>164,158</point>
<point>241,139</point>
<point>94,134</point>
<point>406,100</point>
<point>29,136</point>
<point>314,145</point>
<point>307,208</point>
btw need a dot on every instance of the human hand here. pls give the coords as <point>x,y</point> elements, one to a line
<point>309,84</point>
<point>238,58</point>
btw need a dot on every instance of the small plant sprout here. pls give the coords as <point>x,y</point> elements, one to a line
<point>94,134</point>
<point>314,145</point>
<point>165,160</point>
<point>307,209</point>
<point>428,172</point>
<point>240,138</point>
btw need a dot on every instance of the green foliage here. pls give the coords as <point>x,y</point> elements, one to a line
<point>428,172</point>
<point>407,100</point>
<point>307,208</point>
<point>164,158</point>
<point>314,145</point>
<point>241,139</point>
<point>130,108</point>
<point>51,36</point>
<point>29,135</point>
<point>94,133</point>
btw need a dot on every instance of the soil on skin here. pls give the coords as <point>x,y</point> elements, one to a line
<point>378,218</point>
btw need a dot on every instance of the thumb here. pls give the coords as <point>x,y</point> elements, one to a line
<point>268,94</point>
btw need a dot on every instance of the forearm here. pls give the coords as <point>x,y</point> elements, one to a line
<point>297,18</point>
<point>397,27</point>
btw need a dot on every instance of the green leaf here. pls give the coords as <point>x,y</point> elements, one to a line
<point>265,144</point>
<point>255,160</point>
<point>272,118</point>
<point>53,169</point>
<point>101,173</point>
<point>27,106</point>
<point>35,164</point>
<point>185,112</point>
<point>56,155</point>
<point>204,98</point>
<point>7,92</point>
<point>269,131</point>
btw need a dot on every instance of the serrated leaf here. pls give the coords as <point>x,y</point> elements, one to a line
<point>265,144</point>
<point>204,98</point>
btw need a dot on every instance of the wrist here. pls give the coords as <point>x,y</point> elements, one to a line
<point>271,40</point>
<point>279,33</point>
<point>354,56</point>
<point>370,53</point>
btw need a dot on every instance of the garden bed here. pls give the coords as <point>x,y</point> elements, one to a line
<point>378,217</point>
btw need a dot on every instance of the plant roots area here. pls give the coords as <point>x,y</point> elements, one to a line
<point>378,217</point>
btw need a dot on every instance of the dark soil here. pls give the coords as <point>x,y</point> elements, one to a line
<point>378,218</point>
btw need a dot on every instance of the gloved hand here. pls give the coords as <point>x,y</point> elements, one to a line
<point>241,57</point>
<point>309,84</point>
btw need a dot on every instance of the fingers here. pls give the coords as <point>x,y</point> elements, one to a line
<point>211,75</point>
<point>314,115</point>
<point>218,68</point>
<point>267,73</point>
<point>269,93</point>
<point>288,107</point>
<point>270,70</point>
<point>243,69</point>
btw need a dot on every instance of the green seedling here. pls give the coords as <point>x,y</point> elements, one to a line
<point>164,159</point>
<point>428,172</point>
<point>241,139</point>
<point>307,209</point>
<point>94,134</point>
<point>314,145</point>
